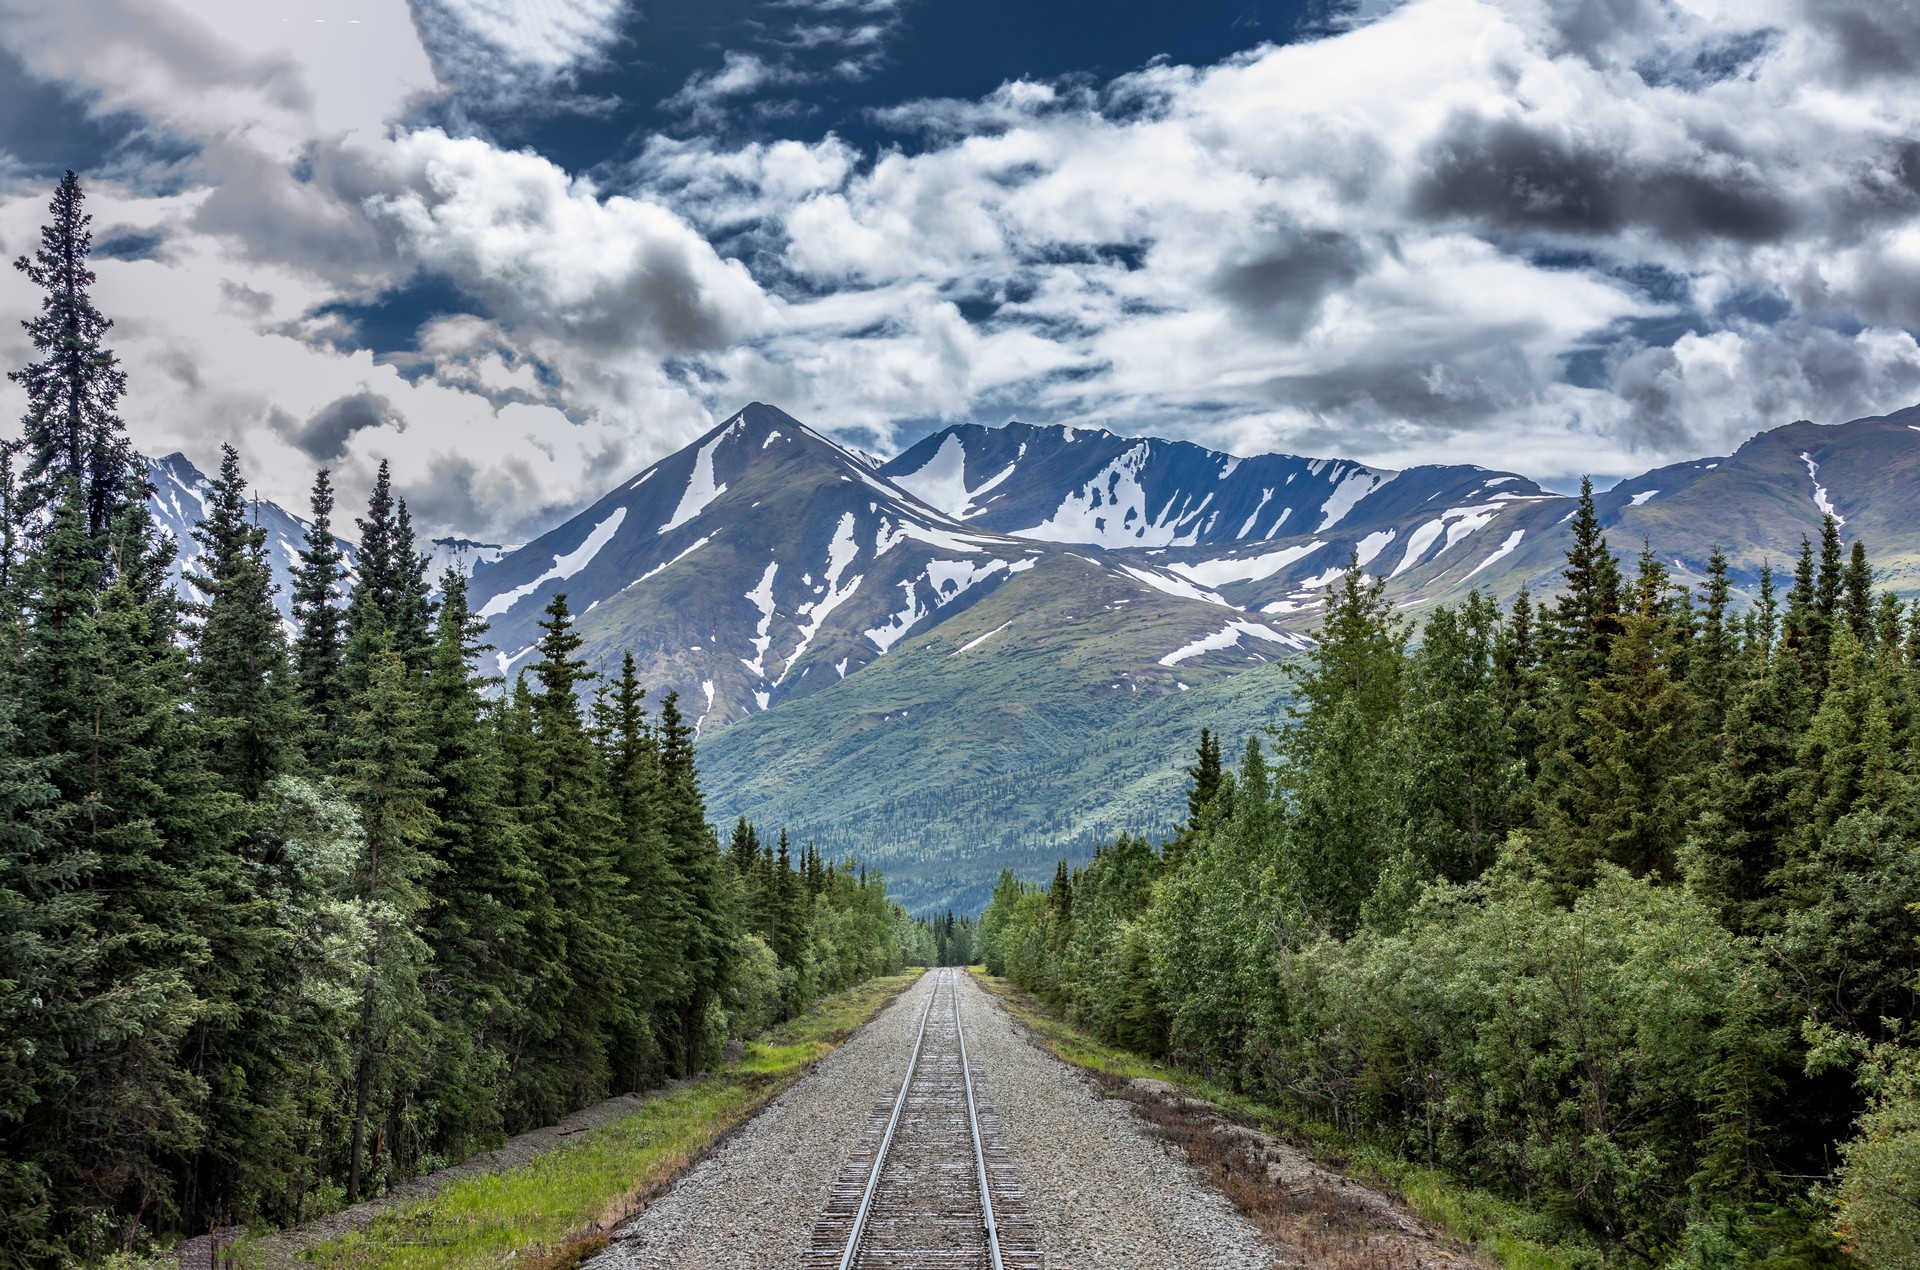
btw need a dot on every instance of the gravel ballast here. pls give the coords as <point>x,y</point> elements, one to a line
<point>1102,1190</point>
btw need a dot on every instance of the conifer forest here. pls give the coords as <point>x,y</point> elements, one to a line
<point>1607,903</point>
<point>286,917</point>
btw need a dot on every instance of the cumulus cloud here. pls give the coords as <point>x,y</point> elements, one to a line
<point>517,50</point>
<point>1267,253</point>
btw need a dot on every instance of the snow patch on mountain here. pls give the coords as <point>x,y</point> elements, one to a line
<point>1216,573</point>
<point>841,552</point>
<point>1172,586</point>
<point>1820,498</point>
<point>978,640</point>
<point>564,566</point>
<point>1353,487</point>
<point>463,556</point>
<point>1372,545</point>
<point>762,598</point>
<point>942,480</point>
<point>1505,549</point>
<point>1266,496</point>
<point>692,547</point>
<point>1111,509</point>
<point>701,487</point>
<point>947,581</point>
<point>1641,499</point>
<point>1229,636</point>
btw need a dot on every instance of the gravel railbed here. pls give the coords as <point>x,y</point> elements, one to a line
<point>753,1202</point>
<point>1103,1192</point>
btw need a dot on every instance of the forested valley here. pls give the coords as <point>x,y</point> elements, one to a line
<point>286,917</point>
<point>1606,904</point>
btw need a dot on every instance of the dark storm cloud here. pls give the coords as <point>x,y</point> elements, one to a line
<point>1588,27</point>
<point>507,497</point>
<point>120,243</point>
<point>324,435</point>
<point>245,298</point>
<point>1873,38</point>
<point>1508,176</point>
<point>1283,285</point>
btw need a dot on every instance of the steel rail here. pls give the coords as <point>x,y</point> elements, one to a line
<point>973,1124</point>
<point>880,1156</point>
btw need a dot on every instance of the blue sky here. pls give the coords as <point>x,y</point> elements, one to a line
<point>520,247</point>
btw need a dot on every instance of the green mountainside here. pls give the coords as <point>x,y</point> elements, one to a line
<point>1023,728</point>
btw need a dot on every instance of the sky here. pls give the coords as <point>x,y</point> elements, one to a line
<point>523,248</point>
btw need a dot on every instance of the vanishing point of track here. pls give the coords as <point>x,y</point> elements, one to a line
<point>930,1185</point>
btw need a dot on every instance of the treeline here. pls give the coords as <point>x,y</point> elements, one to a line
<point>1607,904</point>
<point>288,916</point>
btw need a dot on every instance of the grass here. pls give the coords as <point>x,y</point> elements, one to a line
<point>1504,1233</point>
<point>561,1206</point>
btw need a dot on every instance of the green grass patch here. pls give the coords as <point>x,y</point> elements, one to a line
<point>1505,1233</point>
<point>559,1207</point>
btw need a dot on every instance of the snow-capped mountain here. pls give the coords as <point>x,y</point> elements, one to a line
<point>765,562</point>
<point>1087,485</point>
<point>1265,534</point>
<point>179,501</point>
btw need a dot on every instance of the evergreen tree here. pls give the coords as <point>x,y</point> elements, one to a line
<point>74,440</point>
<point>242,690</point>
<point>1624,795</point>
<point>652,904</point>
<point>374,600</point>
<point>383,768</point>
<point>1338,776</point>
<point>579,955</point>
<point>483,886</point>
<point>410,615</point>
<point>1856,595</point>
<point>47,911</point>
<point>705,937</point>
<point>1457,771</point>
<point>101,692</point>
<point>1205,778</point>
<point>319,647</point>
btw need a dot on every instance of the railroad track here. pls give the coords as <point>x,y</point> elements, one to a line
<point>930,1184</point>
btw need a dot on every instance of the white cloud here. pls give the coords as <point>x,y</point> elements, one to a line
<point>1271,253</point>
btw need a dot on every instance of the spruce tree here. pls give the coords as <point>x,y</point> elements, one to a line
<point>383,768</point>
<point>410,616</point>
<point>1458,775</point>
<point>705,940</point>
<point>242,685</point>
<point>373,600</point>
<point>651,904</point>
<point>1205,778</point>
<point>1856,595</point>
<point>580,956</point>
<point>101,686</point>
<point>74,440</point>
<point>483,887</point>
<point>47,912</point>
<point>1623,797</point>
<point>319,646</point>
